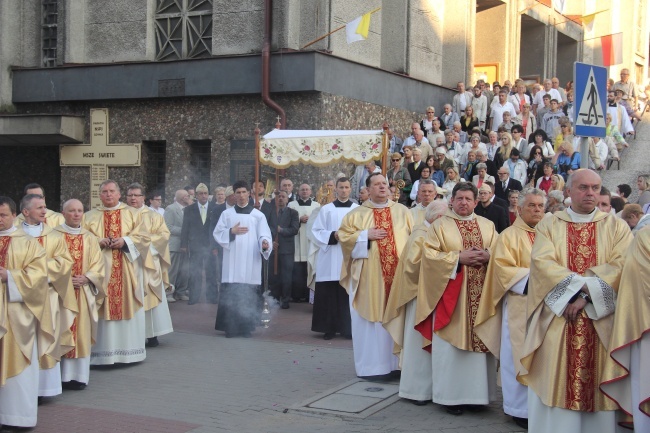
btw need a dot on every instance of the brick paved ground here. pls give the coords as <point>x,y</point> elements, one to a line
<point>198,381</point>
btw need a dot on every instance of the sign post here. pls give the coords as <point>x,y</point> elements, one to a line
<point>590,107</point>
<point>99,154</point>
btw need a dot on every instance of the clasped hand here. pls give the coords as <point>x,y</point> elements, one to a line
<point>375,234</point>
<point>474,257</point>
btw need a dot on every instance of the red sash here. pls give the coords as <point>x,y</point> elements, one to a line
<point>75,245</point>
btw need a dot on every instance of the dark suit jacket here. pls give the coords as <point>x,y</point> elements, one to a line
<point>265,207</point>
<point>501,202</point>
<point>513,184</point>
<point>289,221</point>
<point>195,236</point>
<point>415,174</point>
<point>496,214</point>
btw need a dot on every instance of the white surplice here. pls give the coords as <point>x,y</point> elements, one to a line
<point>330,257</point>
<point>415,382</point>
<point>242,261</point>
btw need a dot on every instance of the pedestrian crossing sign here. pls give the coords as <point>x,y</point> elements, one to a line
<point>590,85</point>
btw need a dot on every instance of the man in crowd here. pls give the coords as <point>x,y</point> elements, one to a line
<point>62,308</point>
<point>23,281</point>
<point>413,138</point>
<point>577,259</point>
<point>415,168</point>
<point>480,103</point>
<point>52,219</point>
<point>156,267</point>
<point>547,90</point>
<point>627,87</point>
<point>461,100</point>
<point>604,200</point>
<point>496,115</point>
<point>178,271</point>
<point>501,317</point>
<point>426,194</point>
<point>304,206</point>
<point>360,175</point>
<point>619,114</point>
<point>155,204</point>
<point>487,209</point>
<point>245,236</point>
<point>630,343</point>
<point>372,238</point>
<point>551,120</point>
<point>88,274</point>
<point>284,224</point>
<point>399,319</point>
<point>452,276</point>
<point>505,183</point>
<point>120,330</point>
<point>331,301</point>
<point>195,241</point>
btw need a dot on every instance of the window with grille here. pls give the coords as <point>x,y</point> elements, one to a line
<point>200,155</point>
<point>155,158</point>
<point>49,32</point>
<point>183,29</point>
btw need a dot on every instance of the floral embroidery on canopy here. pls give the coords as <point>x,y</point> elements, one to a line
<point>283,148</point>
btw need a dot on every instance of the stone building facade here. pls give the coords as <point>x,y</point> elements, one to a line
<point>183,77</point>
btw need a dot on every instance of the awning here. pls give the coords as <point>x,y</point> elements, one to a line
<point>40,130</point>
<point>282,148</point>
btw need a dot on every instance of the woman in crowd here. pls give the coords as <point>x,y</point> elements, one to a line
<point>468,166</point>
<point>513,198</point>
<point>398,172</point>
<point>503,153</point>
<point>450,182</point>
<point>536,163</point>
<point>527,120</point>
<point>540,139</point>
<point>408,155</point>
<point>643,183</point>
<point>469,121</point>
<point>545,181</point>
<point>520,98</point>
<point>482,175</point>
<point>425,174</point>
<point>566,160</point>
<point>566,133</point>
<point>557,183</point>
<point>507,123</point>
<point>518,141</point>
<point>426,124</point>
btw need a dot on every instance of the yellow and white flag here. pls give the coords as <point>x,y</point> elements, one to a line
<point>357,29</point>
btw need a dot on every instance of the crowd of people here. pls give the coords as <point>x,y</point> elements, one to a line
<point>483,249</point>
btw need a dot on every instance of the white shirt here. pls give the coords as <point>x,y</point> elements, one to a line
<point>553,93</point>
<point>497,114</point>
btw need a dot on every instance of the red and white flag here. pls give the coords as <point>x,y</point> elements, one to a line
<point>609,50</point>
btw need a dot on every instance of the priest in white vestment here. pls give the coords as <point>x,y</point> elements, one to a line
<point>501,317</point>
<point>630,343</point>
<point>453,268</point>
<point>416,364</point>
<point>63,307</point>
<point>331,302</point>
<point>23,295</point>
<point>121,326</point>
<point>88,272</point>
<point>245,236</point>
<point>52,218</point>
<point>577,259</point>
<point>304,205</point>
<point>158,321</point>
<point>372,237</point>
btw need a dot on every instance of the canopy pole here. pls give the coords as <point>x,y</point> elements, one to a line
<point>256,203</point>
<point>384,147</point>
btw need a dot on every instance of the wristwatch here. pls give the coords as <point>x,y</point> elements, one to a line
<point>584,296</point>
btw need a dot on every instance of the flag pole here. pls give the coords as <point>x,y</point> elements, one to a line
<point>333,31</point>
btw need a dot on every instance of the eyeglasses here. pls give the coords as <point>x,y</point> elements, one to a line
<point>501,173</point>
<point>135,195</point>
<point>564,126</point>
<point>430,112</point>
<point>395,160</point>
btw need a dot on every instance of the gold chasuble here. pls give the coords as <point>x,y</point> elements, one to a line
<point>158,262</point>
<point>88,261</point>
<point>122,297</point>
<point>456,301</point>
<point>509,264</point>
<point>369,280</point>
<point>405,286</point>
<point>52,219</point>
<point>25,260</point>
<point>565,362</point>
<point>631,326</point>
<point>62,308</point>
